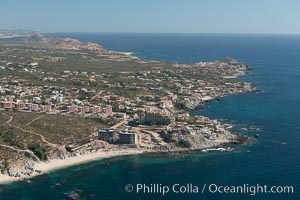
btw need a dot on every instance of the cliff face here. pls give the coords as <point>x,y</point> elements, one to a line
<point>61,43</point>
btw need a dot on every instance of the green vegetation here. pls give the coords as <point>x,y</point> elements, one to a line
<point>4,165</point>
<point>183,144</point>
<point>57,129</point>
<point>20,134</point>
<point>10,140</point>
<point>38,151</point>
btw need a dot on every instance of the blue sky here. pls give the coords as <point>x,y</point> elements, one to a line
<point>188,16</point>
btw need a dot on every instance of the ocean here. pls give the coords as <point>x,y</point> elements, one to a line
<point>273,160</point>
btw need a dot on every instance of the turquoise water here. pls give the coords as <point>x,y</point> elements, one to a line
<point>273,160</point>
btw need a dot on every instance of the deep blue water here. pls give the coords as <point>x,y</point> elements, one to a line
<point>273,160</point>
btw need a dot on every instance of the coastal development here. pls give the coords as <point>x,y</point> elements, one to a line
<point>63,101</point>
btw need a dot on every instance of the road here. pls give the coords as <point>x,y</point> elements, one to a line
<point>119,124</point>
<point>34,120</point>
<point>20,150</point>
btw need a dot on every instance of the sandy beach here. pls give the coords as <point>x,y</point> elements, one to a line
<point>126,53</point>
<point>129,54</point>
<point>55,164</point>
<point>230,77</point>
<point>207,98</point>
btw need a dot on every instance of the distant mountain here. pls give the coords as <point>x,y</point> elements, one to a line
<point>17,31</point>
<point>4,33</point>
<point>60,43</point>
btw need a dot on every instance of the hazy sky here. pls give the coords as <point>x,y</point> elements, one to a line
<point>190,16</point>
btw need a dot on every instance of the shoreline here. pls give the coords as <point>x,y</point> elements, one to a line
<point>130,54</point>
<point>56,164</point>
<point>125,53</point>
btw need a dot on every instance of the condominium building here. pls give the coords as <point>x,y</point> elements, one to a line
<point>127,137</point>
<point>107,134</point>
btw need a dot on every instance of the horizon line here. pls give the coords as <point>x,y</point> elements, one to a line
<point>133,32</point>
<point>144,32</point>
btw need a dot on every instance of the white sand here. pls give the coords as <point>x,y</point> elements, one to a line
<point>230,77</point>
<point>129,54</point>
<point>126,53</point>
<point>207,98</point>
<point>7,179</point>
<point>62,163</point>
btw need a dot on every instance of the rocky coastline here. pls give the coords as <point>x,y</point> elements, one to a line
<point>228,143</point>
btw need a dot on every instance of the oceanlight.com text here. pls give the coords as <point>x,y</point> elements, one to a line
<point>189,188</point>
